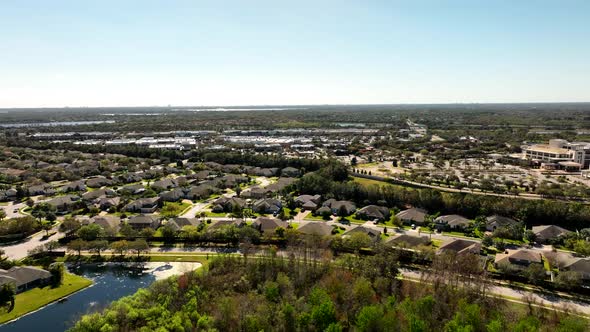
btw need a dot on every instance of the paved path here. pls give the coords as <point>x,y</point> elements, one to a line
<point>20,250</point>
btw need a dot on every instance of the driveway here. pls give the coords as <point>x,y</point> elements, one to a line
<point>20,250</point>
<point>11,207</point>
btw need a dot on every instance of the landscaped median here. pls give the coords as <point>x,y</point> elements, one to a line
<point>37,298</point>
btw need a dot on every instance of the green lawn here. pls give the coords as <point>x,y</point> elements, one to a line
<point>36,298</point>
<point>215,214</point>
<point>173,209</point>
<point>315,218</point>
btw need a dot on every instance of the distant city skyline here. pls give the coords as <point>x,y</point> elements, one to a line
<point>203,53</point>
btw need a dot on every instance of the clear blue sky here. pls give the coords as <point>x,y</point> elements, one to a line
<point>109,53</point>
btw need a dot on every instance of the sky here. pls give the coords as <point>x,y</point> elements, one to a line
<point>146,53</point>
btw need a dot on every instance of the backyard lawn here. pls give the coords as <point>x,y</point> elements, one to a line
<point>34,299</point>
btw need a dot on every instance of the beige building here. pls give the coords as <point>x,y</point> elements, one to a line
<point>559,154</point>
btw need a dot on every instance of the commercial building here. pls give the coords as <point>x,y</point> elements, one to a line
<point>559,154</point>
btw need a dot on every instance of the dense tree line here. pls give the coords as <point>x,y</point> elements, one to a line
<point>273,293</point>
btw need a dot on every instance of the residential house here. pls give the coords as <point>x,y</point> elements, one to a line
<point>315,228</point>
<point>414,216</point>
<point>64,204</point>
<point>201,192</point>
<point>518,258</point>
<point>143,205</point>
<point>340,207</point>
<point>267,205</point>
<point>173,195</point>
<point>546,233</point>
<point>496,221</point>
<point>164,184</point>
<point>132,189</point>
<point>25,277</point>
<point>178,223</point>
<point>79,185</point>
<point>302,199</point>
<point>142,221</point>
<point>227,204</point>
<point>268,225</point>
<point>41,189</point>
<point>371,232</point>
<point>373,212</point>
<point>255,192</point>
<point>407,241</point>
<point>451,221</point>
<point>106,203</point>
<point>225,223</point>
<point>461,246</point>
<point>98,182</point>
<point>111,224</point>
<point>580,265</point>
<point>290,172</point>
<point>94,195</point>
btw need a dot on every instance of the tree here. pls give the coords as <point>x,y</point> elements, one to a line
<point>98,246</point>
<point>2,214</point>
<point>52,245</point>
<point>77,245</point>
<point>128,231</point>
<point>535,273</point>
<point>41,210</point>
<point>147,232</point>
<point>529,236</point>
<point>370,318</point>
<point>120,247</point>
<point>168,233</point>
<point>487,241</point>
<point>90,232</point>
<point>69,225</point>
<point>7,293</point>
<point>57,273</point>
<point>139,246</point>
<point>568,279</point>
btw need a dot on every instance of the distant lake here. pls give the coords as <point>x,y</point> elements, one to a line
<point>111,282</point>
<point>52,124</point>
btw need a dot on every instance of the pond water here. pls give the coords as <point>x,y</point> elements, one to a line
<point>111,282</point>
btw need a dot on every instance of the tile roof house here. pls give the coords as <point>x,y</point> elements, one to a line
<point>144,221</point>
<point>132,189</point>
<point>178,223</point>
<point>79,185</point>
<point>255,192</point>
<point>98,182</point>
<point>290,172</point>
<point>143,205</point>
<point>405,240</point>
<point>461,246</point>
<point>412,216</point>
<point>267,205</point>
<point>201,191</point>
<point>98,193</point>
<point>42,189</point>
<point>452,221</point>
<point>371,232</point>
<point>302,199</point>
<point>173,195</point>
<point>25,277</point>
<point>227,204</point>
<point>106,203</point>
<point>496,221</point>
<point>336,207</point>
<point>373,212</point>
<point>315,228</point>
<point>519,258</point>
<point>225,223</point>
<point>108,223</point>
<point>64,204</point>
<point>549,232</point>
<point>164,184</point>
<point>580,265</point>
<point>268,225</point>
